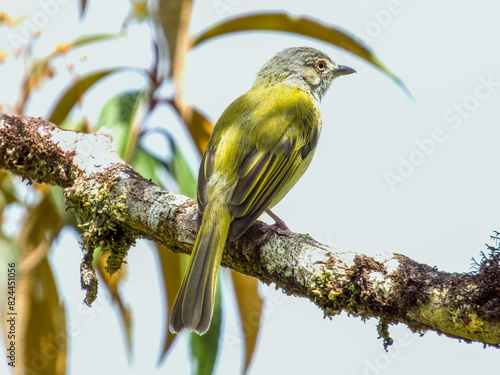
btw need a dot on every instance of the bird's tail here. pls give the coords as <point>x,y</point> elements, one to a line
<point>193,306</point>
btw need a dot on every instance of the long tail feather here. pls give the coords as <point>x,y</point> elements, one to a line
<point>193,306</point>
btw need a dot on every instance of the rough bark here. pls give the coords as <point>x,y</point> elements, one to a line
<point>115,206</point>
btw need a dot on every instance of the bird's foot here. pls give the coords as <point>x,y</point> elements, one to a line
<point>278,223</point>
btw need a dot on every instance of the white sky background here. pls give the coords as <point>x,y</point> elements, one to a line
<point>441,215</point>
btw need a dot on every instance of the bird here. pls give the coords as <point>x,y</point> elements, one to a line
<point>260,147</point>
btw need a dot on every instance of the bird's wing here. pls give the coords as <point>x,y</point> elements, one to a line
<point>260,156</point>
<point>266,175</point>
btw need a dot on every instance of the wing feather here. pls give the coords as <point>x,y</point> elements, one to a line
<point>265,180</point>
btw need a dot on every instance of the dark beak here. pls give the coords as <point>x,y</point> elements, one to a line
<point>342,70</point>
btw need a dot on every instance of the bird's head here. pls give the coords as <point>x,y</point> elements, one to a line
<point>304,67</point>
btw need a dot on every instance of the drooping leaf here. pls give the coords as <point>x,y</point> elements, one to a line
<point>146,164</point>
<point>250,310</point>
<point>59,204</point>
<point>177,166</point>
<point>117,115</point>
<point>204,348</point>
<point>65,47</point>
<point>172,270</point>
<point>198,125</point>
<point>82,6</point>
<point>44,330</point>
<point>305,26</point>
<point>182,173</point>
<point>42,222</point>
<point>8,192</point>
<point>41,327</point>
<point>74,93</point>
<point>40,71</point>
<point>112,283</point>
<point>175,16</point>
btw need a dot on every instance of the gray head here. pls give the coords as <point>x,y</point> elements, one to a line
<point>304,67</point>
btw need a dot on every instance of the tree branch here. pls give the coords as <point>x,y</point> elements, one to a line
<point>115,206</point>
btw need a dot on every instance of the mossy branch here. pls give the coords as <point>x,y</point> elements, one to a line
<point>115,206</point>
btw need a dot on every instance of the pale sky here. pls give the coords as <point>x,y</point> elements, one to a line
<point>389,175</point>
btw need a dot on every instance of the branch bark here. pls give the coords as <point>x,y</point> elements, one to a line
<point>115,206</point>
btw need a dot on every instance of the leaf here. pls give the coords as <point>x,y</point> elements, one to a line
<point>65,47</point>
<point>74,93</point>
<point>112,283</point>
<point>82,7</point>
<point>92,38</point>
<point>9,21</point>
<point>172,270</point>
<point>3,55</point>
<point>178,167</point>
<point>302,26</point>
<point>41,325</point>
<point>44,334</point>
<point>42,222</point>
<point>140,10</point>
<point>174,16</point>
<point>198,125</point>
<point>204,348</point>
<point>250,309</point>
<point>8,193</point>
<point>40,71</point>
<point>182,173</point>
<point>59,205</point>
<point>146,164</point>
<point>116,115</point>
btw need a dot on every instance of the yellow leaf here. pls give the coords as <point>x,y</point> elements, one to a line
<point>73,94</point>
<point>175,16</point>
<point>63,48</point>
<point>35,325</point>
<point>171,265</point>
<point>299,25</point>
<point>140,10</point>
<point>250,308</point>
<point>10,21</point>
<point>112,283</point>
<point>198,125</point>
<point>3,55</point>
<point>46,341</point>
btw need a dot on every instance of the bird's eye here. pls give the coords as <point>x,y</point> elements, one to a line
<point>321,65</point>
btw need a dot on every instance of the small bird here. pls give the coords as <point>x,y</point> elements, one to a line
<point>260,147</point>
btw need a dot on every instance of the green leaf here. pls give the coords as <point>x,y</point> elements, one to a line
<point>204,348</point>
<point>146,164</point>
<point>117,115</point>
<point>250,303</point>
<point>303,26</point>
<point>182,173</point>
<point>197,123</point>
<point>74,93</point>
<point>88,39</point>
<point>113,285</point>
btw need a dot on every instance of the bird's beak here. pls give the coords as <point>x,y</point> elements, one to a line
<point>342,70</point>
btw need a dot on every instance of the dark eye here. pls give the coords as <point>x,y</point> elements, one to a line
<point>321,65</point>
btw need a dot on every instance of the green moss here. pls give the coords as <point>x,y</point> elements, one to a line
<point>461,322</point>
<point>102,217</point>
